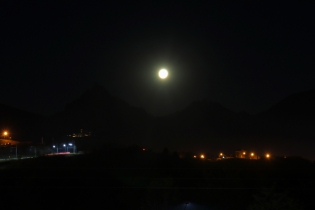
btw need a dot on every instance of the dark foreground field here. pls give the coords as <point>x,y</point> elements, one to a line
<point>133,179</point>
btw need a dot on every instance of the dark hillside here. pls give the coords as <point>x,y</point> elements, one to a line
<point>105,116</point>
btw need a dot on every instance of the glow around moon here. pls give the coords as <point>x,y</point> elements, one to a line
<point>163,73</point>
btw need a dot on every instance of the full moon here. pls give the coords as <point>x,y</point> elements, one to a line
<point>163,73</point>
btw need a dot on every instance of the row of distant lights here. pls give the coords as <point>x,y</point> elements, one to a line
<point>64,145</point>
<point>251,154</point>
<point>201,156</point>
<point>244,153</point>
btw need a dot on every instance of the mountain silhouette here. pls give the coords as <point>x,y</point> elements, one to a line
<point>294,116</point>
<point>197,124</point>
<point>104,115</point>
<point>296,108</point>
<point>287,127</point>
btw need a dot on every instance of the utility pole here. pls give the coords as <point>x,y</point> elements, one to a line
<point>34,149</point>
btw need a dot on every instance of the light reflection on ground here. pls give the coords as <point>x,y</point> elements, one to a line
<point>192,206</point>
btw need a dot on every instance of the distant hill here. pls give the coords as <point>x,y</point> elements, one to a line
<point>106,116</point>
<point>294,116</point>
<point>296,108</point>
<point>287,127</point>
<point>204,125</point>
<point>201,124</point>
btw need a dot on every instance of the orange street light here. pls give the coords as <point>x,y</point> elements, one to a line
<point>252,154</point>
<point>202,156</point>
<point>267,155</point>
<point>5,133</point>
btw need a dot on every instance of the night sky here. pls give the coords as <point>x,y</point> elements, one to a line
<point>245,56</point>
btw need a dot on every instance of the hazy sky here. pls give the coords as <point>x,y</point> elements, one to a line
<point>246,56</point>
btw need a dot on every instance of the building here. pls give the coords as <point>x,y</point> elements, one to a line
<point>82,133</point>
<point>241,153</point>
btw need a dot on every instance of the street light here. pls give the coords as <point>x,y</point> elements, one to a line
<point>15,151</point>
<point>71,145</point>
<point>56,148</point>
<point>5,133</point>
<point>64,145</point>
<point>35,150</point>
<point>74,147</point>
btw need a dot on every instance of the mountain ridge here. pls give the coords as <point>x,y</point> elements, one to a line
<point>202,124</point>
